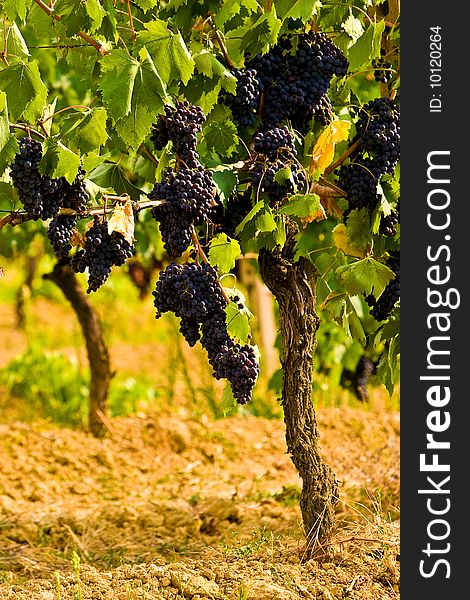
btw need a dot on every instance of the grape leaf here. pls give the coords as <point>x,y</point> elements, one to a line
<point>58,160</point>
<point>358,227</point>
<point>118,73</point>
<point>297,9</point>
<point>343,243</point>
<point>265,221</point>
<point>223,252</point>
<point>341,309</point>
<point>262,33</point>
<point>220,132</point>
<point>111,177</point>
<point>324,150</point>
<point>230,8</point>
<point>25,90</point>
<point>11,37</point>
<point>228,403</point>
<point>146,103</point>
<point>203,91</point>
<point>238,325</point>
<point>208,65</point>
<point>168,50</point>
<point>16,8</point>
<point>225,179</point>
<point>8,143</point>
<point>366,276</point>
<point>305,206</point>
<point>366,47</point>
<point>254,211</point>
<point>146,5</point>
<point>86,131</point>
<point>122,221</point>
<point>77,15</point>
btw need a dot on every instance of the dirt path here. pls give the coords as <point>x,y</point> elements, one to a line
<point>181,508</point>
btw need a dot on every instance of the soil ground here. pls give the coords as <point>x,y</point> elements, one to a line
<point>168,507</point>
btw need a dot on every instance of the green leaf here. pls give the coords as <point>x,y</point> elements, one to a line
<point>265,221</point>
<point>146,5</point>
<point>110,176</point>
<point>168,50</point>
<point>304,206</point>
<point>8,143</point>
<point>238,325</point>
<point>25,90</point>
<point>16,8</point>
<point>86,131</point>
<point>223,252</point>
<point>208,65</point>
<point>146,105</point>
<point>366,276</point>
<point>231,8</point>
<point>203,91</point>
<point>15,44</point>
<point>77,15</point>
<point>367,46</point>
<point>262,33</point>
<point>58,160</point>
<point>283,176</point>
<point>118,73</point>
<point>358,227</point>
<point>225,179</point>
<point>228,403</point>
<point>220,132</point>
<point>297,9</point>
<point>253,212</point>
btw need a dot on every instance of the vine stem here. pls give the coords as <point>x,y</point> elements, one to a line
<point>28,129</point>
<point>203,257</point>
<point>74,106</point>
<point>221,43</point>
<point>18,217</point>
<point>342,158</point>
<point>98,46</point>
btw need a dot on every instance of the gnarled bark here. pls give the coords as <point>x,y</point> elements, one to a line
<point>293,285</point>
<point>97,351</point>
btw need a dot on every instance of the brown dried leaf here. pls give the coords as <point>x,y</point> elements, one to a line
<point>122,221</point>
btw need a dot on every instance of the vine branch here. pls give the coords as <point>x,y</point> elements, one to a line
<point>28,129</point>
<point>98,46</point>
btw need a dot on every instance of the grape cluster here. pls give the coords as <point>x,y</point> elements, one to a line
<point>180,125</point>
<point>245,101</point>
<point>264,178</point>
<point>383,306</point>
<point>377,153</point>
<point>275,142</point>
<point>383,72</point>
<point>359,378</point>
<point>359,179</point>
<point>39,194</point>
<point>388,223</point>
<point>192,293</point>
<point>187,199</point>
<point>378,131</point>
<point>296,83</point>
<point>59,233</point>
<point>43,197</point>
<point>102,251</point>
<point>229,217</point>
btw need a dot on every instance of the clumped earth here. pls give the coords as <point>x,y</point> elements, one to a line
<point>168,507</point>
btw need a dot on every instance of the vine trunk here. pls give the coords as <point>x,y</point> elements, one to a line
<point>293,285</point>
<point>97,351</point>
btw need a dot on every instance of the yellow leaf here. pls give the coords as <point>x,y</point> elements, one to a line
<point>122,221</point>
<point>318,215</point>
<point>324,150</point>
<point>343,243</point>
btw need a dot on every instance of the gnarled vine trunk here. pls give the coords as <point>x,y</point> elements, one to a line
<point>97,351</point>
<point>293,285</point>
